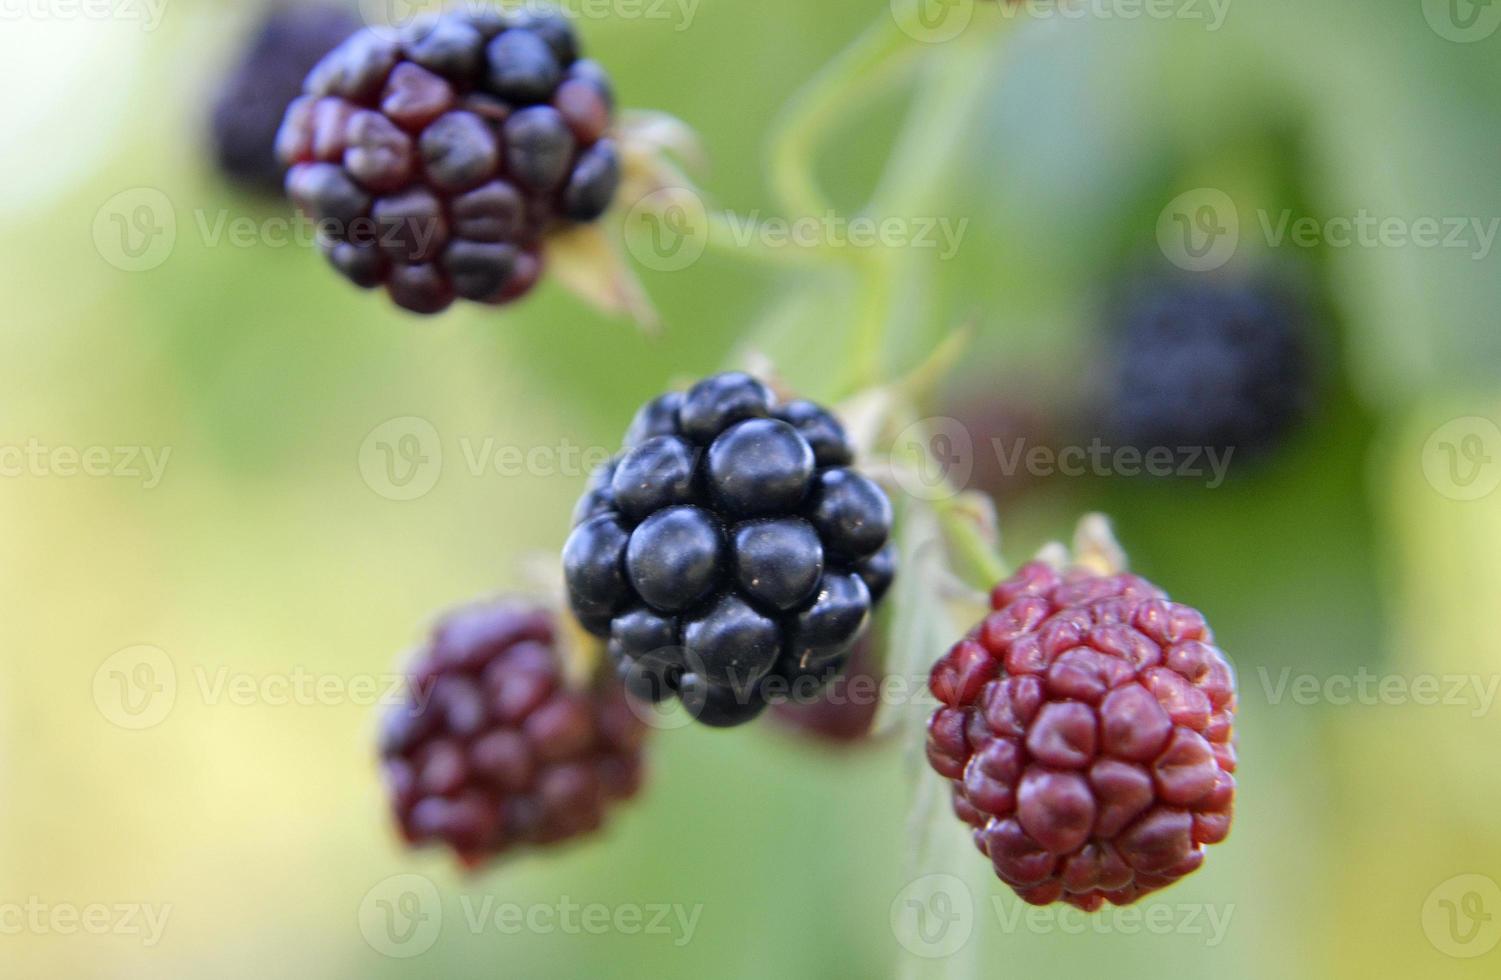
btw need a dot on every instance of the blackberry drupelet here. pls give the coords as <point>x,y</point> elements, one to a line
<point>729,550</point>
<point>437,162</point>
<point>253,98</point>
<point>494,749</point>
<point>1206,363</point>
<point>1087,726</point>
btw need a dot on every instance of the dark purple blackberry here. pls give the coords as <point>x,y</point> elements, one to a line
<point>494,749</point>
<point>838,709</point>
<point>1206,363</point>
<point>253,98</point>
<point>729,550</point>
<point>438,161</point>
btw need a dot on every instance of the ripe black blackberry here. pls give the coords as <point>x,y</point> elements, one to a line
<point>1206,363</point>
<point>253,98</point>
<point>730,551</point>
<point>495,747</point>
<point>437,162</point>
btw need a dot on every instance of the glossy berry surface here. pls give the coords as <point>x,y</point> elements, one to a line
<point>1204,363</point>
<point>493,750</point>
<point>437,161</point>
<point>729,549</point>
<point>1087,727</point>
<point>253,98</point>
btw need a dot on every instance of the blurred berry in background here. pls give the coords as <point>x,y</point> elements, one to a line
<point>844,712</point>
<point>496,747</point>
<point>1205,363</point>
<point>254,97</point>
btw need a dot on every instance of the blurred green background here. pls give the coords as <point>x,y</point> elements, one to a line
<point>265,553</point>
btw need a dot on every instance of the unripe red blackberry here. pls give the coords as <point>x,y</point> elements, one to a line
<point>437,162</point>
<point>495,747</point>
<point>731,548</point>
<point>1087,727</point>
<point>253,98</point>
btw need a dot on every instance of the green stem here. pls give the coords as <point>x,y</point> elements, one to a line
<point>959,517</point>
<point>978,563</point>
<point>751,241</point>
<point>876,293</point>
<point>935,126</point>
<point>854,75</point>
<point>929,139</point>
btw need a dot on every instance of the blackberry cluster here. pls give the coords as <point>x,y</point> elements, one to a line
<point>1206,363</point>
<point>253,98</point>
<point>1087,727</point>
<point>494,750</point>
<point>436,162</point>
<point>729,554</point>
